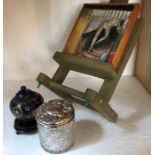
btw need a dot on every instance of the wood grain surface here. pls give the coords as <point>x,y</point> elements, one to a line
<point>143,58</point>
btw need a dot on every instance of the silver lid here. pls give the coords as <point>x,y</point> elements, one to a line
<point>55,112</point>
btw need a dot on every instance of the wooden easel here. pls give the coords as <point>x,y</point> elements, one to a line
<point>67,60</point>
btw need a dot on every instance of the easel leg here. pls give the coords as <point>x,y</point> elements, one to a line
<point>60,74</point>
<point>107,89</point>
<point>98,103</point>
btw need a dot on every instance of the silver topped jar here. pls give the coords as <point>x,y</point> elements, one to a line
<point>55,122</point>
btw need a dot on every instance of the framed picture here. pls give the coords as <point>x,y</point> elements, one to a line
<point>102,31</point>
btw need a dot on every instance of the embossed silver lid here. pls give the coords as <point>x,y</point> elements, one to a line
<point>55,112</point>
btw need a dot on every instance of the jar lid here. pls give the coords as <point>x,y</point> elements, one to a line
<point>26,95</point>
<point>55,112</point>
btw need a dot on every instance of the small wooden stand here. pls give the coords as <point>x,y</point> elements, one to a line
<point>67,60</point>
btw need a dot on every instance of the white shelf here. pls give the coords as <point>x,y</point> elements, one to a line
<point>130,135</point>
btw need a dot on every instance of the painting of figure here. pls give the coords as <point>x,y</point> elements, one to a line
<point>103,34</point>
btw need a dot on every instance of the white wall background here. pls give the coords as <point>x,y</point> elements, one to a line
<point>34,30</point>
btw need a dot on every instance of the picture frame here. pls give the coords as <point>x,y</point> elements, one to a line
<point>102,31</point>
